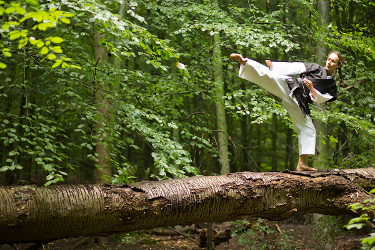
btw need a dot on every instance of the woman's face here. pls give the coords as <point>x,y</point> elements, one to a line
<point>332,63</point>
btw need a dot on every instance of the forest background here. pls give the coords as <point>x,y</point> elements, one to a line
<point>124,91</point>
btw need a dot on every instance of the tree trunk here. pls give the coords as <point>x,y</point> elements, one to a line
<point>322,144</point>
<point>101,54</point>
<point>32,213</point>
<point>321,127</point>
<point>274,143</point>
<point>220,107</point>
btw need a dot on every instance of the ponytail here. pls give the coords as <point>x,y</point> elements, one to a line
<point>342,84</point>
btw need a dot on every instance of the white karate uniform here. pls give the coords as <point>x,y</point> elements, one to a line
<point>274,82</point>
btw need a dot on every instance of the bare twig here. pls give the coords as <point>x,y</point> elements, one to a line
<point>185,235</point>
<point>195,113</point>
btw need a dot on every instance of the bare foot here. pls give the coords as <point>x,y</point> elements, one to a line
<point>238,58</point>
<point>302,167</point>
<point>269,64</point>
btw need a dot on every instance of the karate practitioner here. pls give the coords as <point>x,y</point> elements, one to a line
<point>273,79</point>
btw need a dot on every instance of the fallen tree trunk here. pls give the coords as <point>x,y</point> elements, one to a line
<point>30,213</point>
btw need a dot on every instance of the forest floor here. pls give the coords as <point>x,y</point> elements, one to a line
<point>294,236</point>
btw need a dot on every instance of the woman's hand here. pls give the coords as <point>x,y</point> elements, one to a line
<point>310,86</point>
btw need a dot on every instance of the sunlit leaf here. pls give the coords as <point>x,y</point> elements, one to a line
<point>44,26</point>
<point>67,14</point>
<point>6,52</point>
<point>14,34</point>
<point>51,56</point>
<point>65,58</point>
<point>43,51</point>
<point>57,63</point>
<point>10,10</point>
<point>40,44</point>
<point>32,40</point>
<point>64,20</point>
<point>57,40</point>
<point>20,10</point>
<point>56,49</point>
<point>23,42</point>
<point>5,26</point>
<point>32,3</point>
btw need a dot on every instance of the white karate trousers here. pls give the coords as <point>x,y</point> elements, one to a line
<point>275,84</point>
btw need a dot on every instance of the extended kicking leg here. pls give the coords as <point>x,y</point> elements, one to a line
<point>302,164</point>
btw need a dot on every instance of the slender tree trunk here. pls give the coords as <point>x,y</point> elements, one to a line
<point>101,55</point>
<point>322,144</point>
<point>289,162</point>
<point>220,108</point>
<point>32,213</point>
<point>209,157</point>
<point>244,140</point>
<point>321,127</point>
<point>259,146</point>
<point>23,161</point>
<point>274,143</point>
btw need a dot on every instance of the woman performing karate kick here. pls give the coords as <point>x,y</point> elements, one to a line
<point>274,79</point>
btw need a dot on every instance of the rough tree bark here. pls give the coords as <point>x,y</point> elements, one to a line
<point>30,213</point>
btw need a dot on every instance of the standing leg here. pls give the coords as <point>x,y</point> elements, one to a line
<point>306,134</point>
<point>302,166</point>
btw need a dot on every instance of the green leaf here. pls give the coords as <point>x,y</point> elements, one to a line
<point>65,65</point>
<point>56,49</point>
<point>370,240</point>
<point>23,42</point>
<point>65,58</point>
<point>51,56</point>
<point>44,26</point>
<point>57,40</point>
<point>32,40</point>
<point>11,153</point>
<point>3,169</point>
<point>10,10</point>
<point>64,20</point>
<point>40,43</point>
<point>43,51</point>
<point>67,14</point>
<point>5,26</point>
<point>14,34</point>
<point>2,65</point>
<point>6,52</point>
<point>358,226</point>
<point>32,3</point>
<point>21,11</point>
<point>57,63</point>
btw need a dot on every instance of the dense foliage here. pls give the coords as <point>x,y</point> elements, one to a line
<point>157,88</point>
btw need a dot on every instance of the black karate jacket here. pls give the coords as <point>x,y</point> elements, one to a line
<point>318,76</point>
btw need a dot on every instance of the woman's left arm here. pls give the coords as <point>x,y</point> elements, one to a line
<point>315,95</point>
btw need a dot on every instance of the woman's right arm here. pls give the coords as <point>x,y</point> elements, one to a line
<point>288,68</point>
